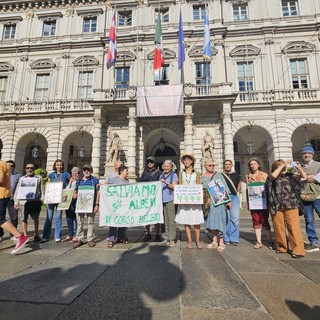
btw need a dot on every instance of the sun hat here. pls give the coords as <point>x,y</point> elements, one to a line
<point>307,149</point>
<point>188,155</point>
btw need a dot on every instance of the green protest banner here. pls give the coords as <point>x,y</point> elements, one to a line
<point>129,205</point>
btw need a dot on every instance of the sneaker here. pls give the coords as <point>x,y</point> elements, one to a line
<point>297,256</point>
<point>271,245</point>
<point>57,240</point>
<point>258,245</point>
<point>21,242</point>
<point>157,238</point>
<point>147,237</point>
<point>36,238</point>
<point>170,243</point>
<point>310,247</point>
<point>164,243</point>
<point>43,240</point>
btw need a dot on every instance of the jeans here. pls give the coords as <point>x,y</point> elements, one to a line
<point>233,215</point>
<point>58,222</point>
<point>72,220</point>
<point>309,217</point>
<point>115,232</point>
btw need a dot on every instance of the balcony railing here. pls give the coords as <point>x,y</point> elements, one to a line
<point>45,106</point>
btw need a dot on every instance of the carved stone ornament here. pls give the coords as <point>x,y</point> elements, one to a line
<point>140,2</point>
<point>132,92</point>
<point>187,90</point>
<point>69,10</point>
<point>29,14</point>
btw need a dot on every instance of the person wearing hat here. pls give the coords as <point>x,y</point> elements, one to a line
<point>151,173</point>
<point>312,169</point>
<point>190,214</point>
<point>87,180</point>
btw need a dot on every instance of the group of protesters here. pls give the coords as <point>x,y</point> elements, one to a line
<point>220,211</point>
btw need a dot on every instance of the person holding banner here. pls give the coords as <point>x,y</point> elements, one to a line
<point>32,205</point>
<point>190,214</point>
<point>87,194</point>
<point>118,234</point>
<point>169,179</point>
<point>151,173</point>
<point>259,213</point>
<point>217,217</point>
<point>71,212</point>
<point>58,175</point>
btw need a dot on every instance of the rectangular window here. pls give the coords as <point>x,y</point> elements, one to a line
<point>85,85</point>
<point>3,88</point>
<point>289,8</point>
<point>199,12</point>
<point>125,18</point>
<point>162,76</point>
<point>240,12</point>
<point>90,24</point>
<point>245,76</point>
<point>122,78</point>
<point>299,73</point>
<point>42,87</point>
<point>9,31</point>
<point>203,73</point>
<point>49,28</point>
<point>164,15</point>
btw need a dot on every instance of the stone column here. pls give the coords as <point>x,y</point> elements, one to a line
<point>131,156</point>
<point>96,144</point>
<point>188,130</point>
<point>227,132</point>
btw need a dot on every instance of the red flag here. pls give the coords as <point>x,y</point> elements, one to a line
<point>158,51</point>
<point>112,51</point>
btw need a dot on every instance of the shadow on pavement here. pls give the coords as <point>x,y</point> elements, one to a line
<point>303,311</point>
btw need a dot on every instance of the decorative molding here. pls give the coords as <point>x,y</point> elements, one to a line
<point>298,47</point>
<point>85,61</point>
<point>168,55</point>
<point>6,67</point>
<point>124,56</point>
<point>197,51</point>
<point>42,64</point>
<point>49,15</point>
<point>93,12</point>
<point>11,19</point>
<point>245,51</point>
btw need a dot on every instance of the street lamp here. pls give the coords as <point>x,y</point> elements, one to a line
<point>35,150</point>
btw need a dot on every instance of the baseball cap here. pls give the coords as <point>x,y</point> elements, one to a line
<point>152,159</point>
<point>87,166</point>
<point>307,149</point>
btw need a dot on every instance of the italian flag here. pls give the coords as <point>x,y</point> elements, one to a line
<point>158,51</point>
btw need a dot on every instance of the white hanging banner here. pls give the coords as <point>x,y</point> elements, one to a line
<point>160,101</point>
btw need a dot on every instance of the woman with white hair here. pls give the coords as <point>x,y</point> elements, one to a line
<point>169,179</point>
<point>71,212</point>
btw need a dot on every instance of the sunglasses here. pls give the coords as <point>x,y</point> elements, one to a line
<point>210,165</point>
<point>29,168</point>
<point>86,169</point>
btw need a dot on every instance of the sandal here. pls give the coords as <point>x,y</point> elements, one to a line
<point>110,244</point>
<point>125,241</point>
<point>189,245</point>
<point>67,238</point>
<point>199,245</point>
<point>212,245</point>
<point>221,247</point>
<point>91,244</point>
<point>77,244</point>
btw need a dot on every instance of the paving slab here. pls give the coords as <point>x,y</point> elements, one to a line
<point>211,283</point>
<point>286,296</point>
<point>223,314</point>
<point>60,279</point>
<point>307,267</point>
<point>145,283</point>
<point>27,311</point>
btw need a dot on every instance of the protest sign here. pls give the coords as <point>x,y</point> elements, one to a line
<point>53,193</point>
<point>27,189</point>
<point>188,194</point>
<point>67,195</point>
<point>129,205</point>
<point>257,196</point>
<point>218,192</point>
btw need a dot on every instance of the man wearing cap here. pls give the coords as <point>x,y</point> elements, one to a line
<point>151,173</point>
<point>89,181</point>
<point>312,169</point>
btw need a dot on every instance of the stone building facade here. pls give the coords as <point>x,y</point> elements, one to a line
<point>259,95</point>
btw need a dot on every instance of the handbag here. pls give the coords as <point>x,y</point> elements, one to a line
<point>310,192</point>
